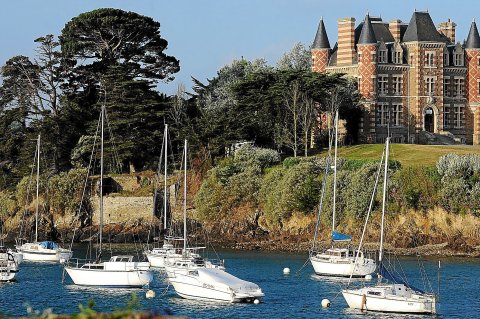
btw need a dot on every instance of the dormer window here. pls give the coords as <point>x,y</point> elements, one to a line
<point>382,56</point>
<point>446,59</point>
<point>397,57</point>
<point>458,59</point>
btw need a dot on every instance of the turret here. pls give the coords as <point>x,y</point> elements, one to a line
<point>320,49</point>
<point>367,59</point>
<point>472,61</point>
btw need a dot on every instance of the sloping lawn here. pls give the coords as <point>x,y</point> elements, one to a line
<point>406,154</point>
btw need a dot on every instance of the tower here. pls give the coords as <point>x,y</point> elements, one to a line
<point>367,72</point>
<point>472,57</point>
<point>320,49</point>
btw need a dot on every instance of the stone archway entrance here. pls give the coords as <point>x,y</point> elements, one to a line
<point>428,120</point>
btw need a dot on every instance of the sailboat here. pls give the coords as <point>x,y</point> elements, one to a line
<point>157,255</point>
<point>119,271</point>
<point>397,296</point>
<point>336,261</point>
<point>45,250</point>
<point>193,277</point>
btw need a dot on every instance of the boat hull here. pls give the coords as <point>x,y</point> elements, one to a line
<point>361,301</point>
<point>343,268</point>
<point>36,253</point>
<point>125,278</point>
<point>189,285</point>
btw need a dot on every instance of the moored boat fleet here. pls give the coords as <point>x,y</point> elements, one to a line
<point>196,277</point>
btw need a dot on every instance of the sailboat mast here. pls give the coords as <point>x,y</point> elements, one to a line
<point>384,200</point>
<point>101,182</point>
<point>38,184</point>
<point>185,200</point>
<point>335,173</point>
<point>165,180</point>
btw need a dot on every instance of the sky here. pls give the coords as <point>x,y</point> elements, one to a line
<point>205,35</point>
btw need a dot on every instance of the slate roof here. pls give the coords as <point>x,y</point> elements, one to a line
<point>421,28</point>
<point>367,35</point>
<point>321,38</point>
<point>473,39</point>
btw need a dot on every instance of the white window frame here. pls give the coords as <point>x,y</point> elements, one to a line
<point>382,56</point>
<point>397,111</point>
<point>446,116</point>
<point>458,59</point>
<point>382,82</point>
<point>397,57</point>
<point>458,116</point>
<point>447,87</point>
<point>397,81</point>
<point>383,113</point>
<point>458,86</point>
<point>430,85</point>
<point>430,59</point>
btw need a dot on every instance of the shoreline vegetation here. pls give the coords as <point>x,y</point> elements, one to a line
<point>255,200</point>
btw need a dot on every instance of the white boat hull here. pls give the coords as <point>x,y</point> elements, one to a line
<point>360,299</point>
<point>189,285</point>
<point>124,274</point>
<point>36,253</point>
<point>344,267</point>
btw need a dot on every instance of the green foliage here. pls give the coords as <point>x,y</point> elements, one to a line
<point>290,188</point>
<point>416,187</point>
<point>233,181</point>
<point>65,191</point>
<point>8,205</point>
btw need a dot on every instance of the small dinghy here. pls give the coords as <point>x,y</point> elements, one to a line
<point>8,265</point>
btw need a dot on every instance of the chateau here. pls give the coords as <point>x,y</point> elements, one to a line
<point>417,82</point>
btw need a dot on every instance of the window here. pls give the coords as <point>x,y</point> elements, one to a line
<point>430,82</point>
<point>458,59</point>
<point>382,56</point>
<point>478,88</point>
<point>429,59</point>
<point>445,59</point>
<point>396,114</point>
<point>397,57</point>
<point>397,85</point>
<point>382,114</point>
<point>382,84</point>
<point>458,87</point>
<point>447,87</point>
<point>458,116</point>
<point>446,116</point>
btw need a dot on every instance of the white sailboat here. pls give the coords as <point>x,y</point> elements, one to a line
<point>336,261</point>
<point>119,271</point>
<point>397,296</point>
<point>8,265</point>
<point>158,255</point>
<point>46,250</point>
<point>192,277</point>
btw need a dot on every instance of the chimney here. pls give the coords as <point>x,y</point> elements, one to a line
<point>448,30</point>
<point>346,41</point>
<point>394,27</point>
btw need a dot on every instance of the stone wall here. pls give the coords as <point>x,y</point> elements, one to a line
<point>117,209</point>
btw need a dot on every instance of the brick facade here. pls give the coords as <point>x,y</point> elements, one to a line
<point>416,83</point>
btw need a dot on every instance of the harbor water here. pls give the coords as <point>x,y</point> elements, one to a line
<point>39,289</point>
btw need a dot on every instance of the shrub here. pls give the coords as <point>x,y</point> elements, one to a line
<point>8,205</point>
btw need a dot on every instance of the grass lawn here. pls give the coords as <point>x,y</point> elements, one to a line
<point>406,154</point>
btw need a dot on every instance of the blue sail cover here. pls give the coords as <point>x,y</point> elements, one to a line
<point>340,237</point>
<point>48,244</point>
<point>395,279</point>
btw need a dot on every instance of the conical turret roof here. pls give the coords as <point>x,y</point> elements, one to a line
<point>321,38</point>
<point>473,39</point>
<point>367,36</point>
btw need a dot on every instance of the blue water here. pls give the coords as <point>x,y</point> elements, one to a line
<point>39,289</point>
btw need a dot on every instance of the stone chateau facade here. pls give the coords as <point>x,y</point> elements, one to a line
<point>416,81</point>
